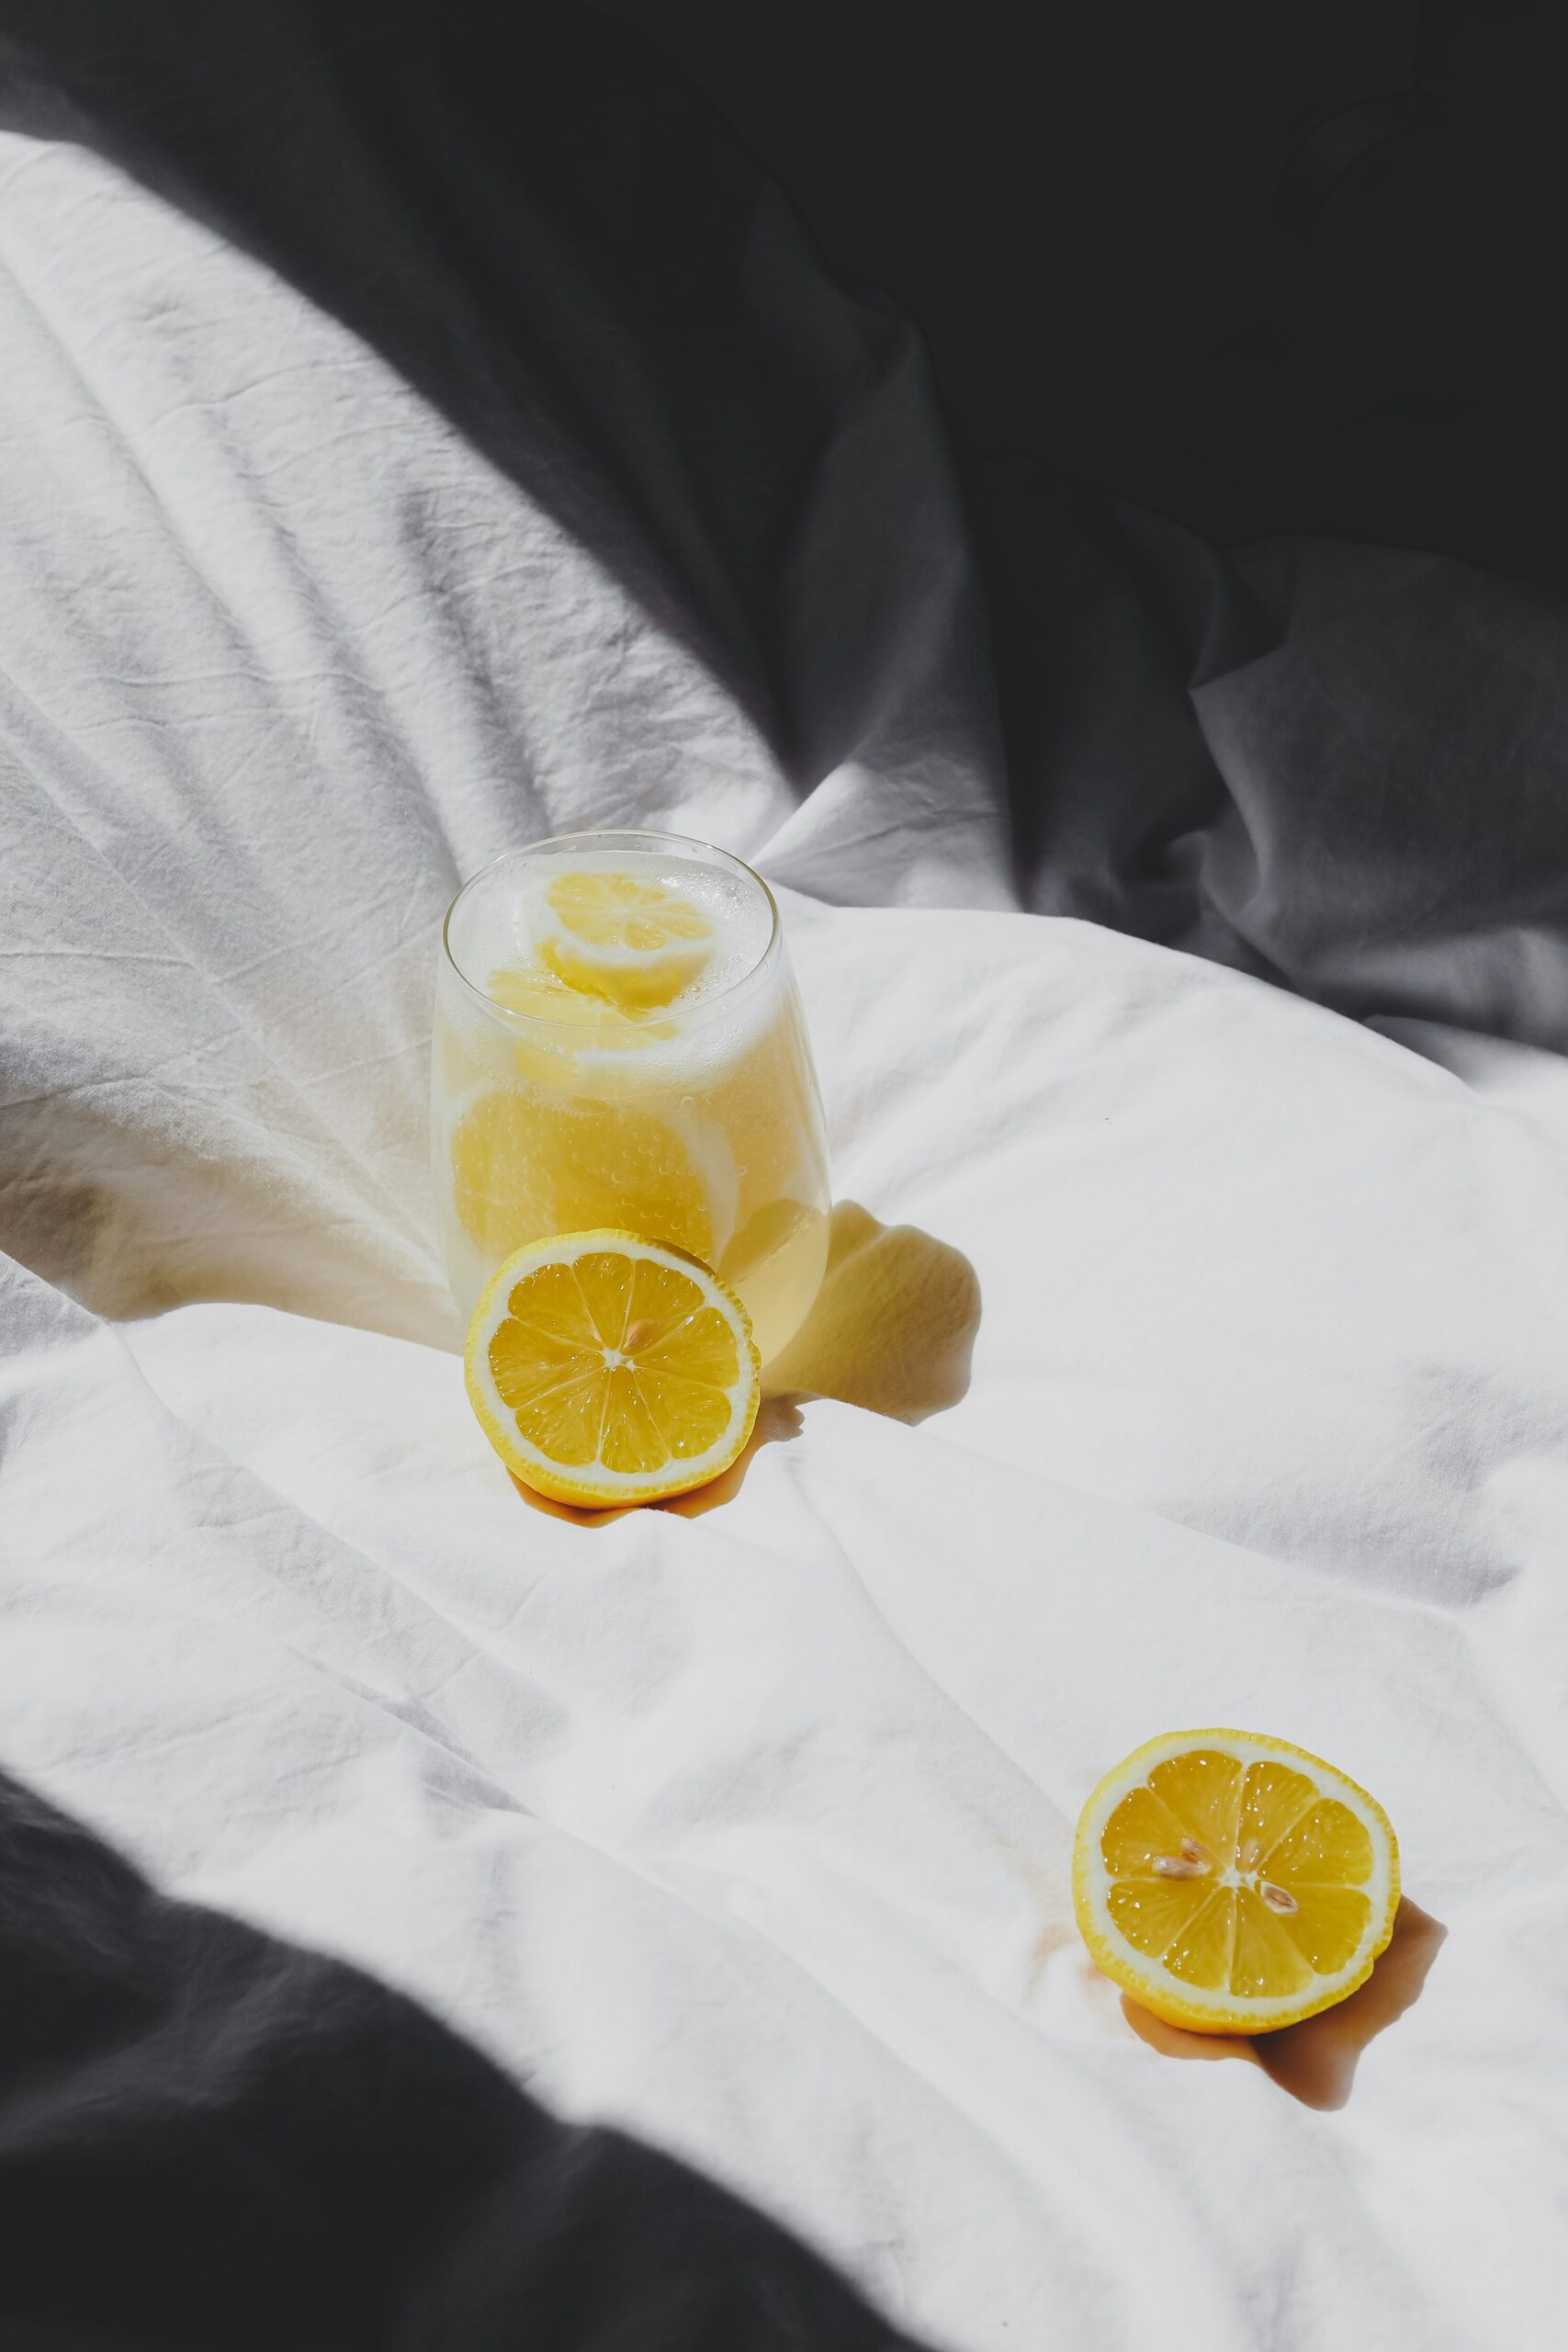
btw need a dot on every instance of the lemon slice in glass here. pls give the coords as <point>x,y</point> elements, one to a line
<point>623,937</point>
<point>567,1035</point>
<point>606,1369</point>
<point>1232,1883</point>
<point>528,1165</point>
<point>542,995</point>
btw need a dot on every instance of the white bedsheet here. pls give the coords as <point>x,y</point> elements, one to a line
<point>747,1830</point>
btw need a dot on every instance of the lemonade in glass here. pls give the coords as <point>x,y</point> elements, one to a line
<point>619,1044</point>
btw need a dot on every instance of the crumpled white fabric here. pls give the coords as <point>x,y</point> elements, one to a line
<point>748,1830</point>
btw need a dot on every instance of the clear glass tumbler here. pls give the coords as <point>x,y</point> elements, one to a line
<point>619,1043</point>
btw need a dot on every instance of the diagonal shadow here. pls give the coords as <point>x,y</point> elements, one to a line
<point>556,240</point>
<point>254,2146</point>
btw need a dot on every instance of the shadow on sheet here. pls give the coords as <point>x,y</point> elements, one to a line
<point>1315,2061</point>
<point>892,1331</point>
<point>1340,767</point>
<point>252,2145</point>
<point>557,242</point>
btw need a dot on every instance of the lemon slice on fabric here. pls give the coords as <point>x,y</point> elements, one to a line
<point>606,1369</point>
<point>631,940</point>
<point>1232,1883</point>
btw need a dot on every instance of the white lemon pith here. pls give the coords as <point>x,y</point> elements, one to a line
<point>1232,1883</point>
<point>606,1369</point>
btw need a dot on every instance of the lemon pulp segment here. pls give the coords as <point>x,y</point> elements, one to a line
<point>605,1368</point>
<point>1233,1882</point>
<point>628,939</point>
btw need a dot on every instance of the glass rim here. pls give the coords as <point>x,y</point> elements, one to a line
<point>601,837</point>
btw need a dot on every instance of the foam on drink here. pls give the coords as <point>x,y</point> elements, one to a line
<point>507,919</point>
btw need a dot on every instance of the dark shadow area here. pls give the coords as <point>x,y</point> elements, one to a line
<point>1263,270</point>
<point>1342,768</point>
<point>212,2141</point>
<point>893,1329</point>
<point>550,234</point>
<point>1315,2061</point>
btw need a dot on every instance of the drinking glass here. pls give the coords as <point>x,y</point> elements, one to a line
<point>619,1043</point>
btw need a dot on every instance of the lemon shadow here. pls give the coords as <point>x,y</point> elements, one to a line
<point>777,1422</point>
<point>892,1326</point>
<point>891,1330</point>
<point>1315,2061</point>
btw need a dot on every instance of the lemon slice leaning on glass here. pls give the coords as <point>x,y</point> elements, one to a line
<point>607,1370</point>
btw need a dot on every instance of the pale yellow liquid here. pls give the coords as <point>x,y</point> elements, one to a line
<point>699,1126</point>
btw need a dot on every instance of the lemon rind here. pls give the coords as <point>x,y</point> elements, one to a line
<point>1154,1986</point>
<point>605,1488</point>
